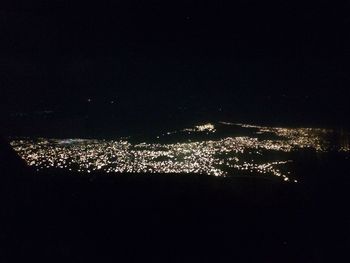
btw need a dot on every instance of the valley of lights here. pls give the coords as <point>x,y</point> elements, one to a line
<point>219,157</point>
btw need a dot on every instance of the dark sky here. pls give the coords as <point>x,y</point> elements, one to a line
<point>56,54</point>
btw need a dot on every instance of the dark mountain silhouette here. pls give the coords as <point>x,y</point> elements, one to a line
<point>10,162</point>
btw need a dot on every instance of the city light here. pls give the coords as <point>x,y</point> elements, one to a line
<point>226,156</point>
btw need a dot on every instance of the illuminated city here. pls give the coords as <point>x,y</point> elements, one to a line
<point>223,156</point>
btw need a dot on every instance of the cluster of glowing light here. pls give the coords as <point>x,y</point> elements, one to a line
<point>208,127</point>
<point>220,157</point>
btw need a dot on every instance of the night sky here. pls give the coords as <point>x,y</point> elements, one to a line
<point>245,57</point>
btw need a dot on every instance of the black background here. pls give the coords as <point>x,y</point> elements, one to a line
<point>240,58</point>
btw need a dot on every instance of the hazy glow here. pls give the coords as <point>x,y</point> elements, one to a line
<point>220,157</point>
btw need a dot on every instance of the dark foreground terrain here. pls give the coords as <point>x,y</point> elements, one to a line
<point>65,217</point>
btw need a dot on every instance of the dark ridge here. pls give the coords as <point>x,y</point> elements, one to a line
<point>10,162</point>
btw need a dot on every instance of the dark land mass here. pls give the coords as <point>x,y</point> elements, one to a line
<point>61,216</point>
<point>103,122</point>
